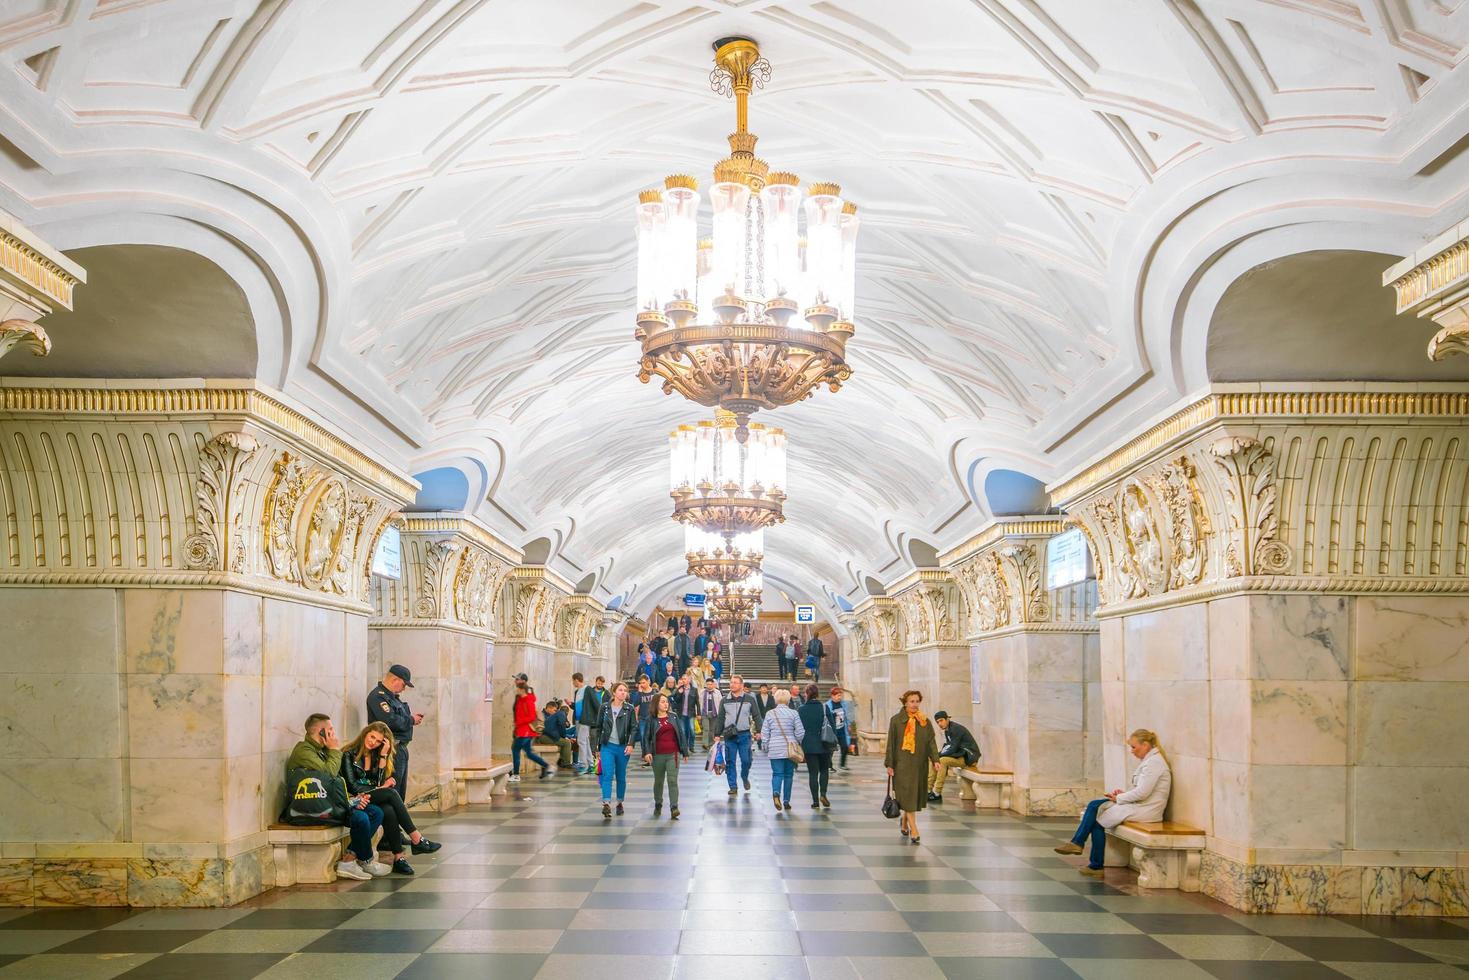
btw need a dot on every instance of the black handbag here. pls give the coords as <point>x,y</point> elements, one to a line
<point>314,797</point>
<point>890,808</point>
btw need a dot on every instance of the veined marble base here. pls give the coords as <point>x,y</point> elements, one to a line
<point>135,881</point>
<point>1335,889</point>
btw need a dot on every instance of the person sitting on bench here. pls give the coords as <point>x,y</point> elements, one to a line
<point>960,751</point>
<point>1144,802</point>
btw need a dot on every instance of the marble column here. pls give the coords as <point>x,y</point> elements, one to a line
<point>440,620</point>
<point>531,605</point>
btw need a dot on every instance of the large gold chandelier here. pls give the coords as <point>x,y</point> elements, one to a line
<point>755,316</point>
<point>723,558</point>
<point>734,602</point>
<point>721,486</point>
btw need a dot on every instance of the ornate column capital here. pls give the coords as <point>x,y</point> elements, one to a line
<point>34,280</point>
<point>1434,282</point>
<point>1000,578</point>
<point>453,571</point>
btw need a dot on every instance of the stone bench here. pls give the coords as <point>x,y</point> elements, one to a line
<point>1165,855</point>
<point>872,743</point>
<point>990,788</point>
<point>476,784</point>
<point>306,855</point>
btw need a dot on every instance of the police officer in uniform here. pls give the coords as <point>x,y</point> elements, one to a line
<point>384,705</point>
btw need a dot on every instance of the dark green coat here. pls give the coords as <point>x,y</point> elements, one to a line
<point>911,769</point>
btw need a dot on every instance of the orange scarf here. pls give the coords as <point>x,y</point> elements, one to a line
<point>910,744</point>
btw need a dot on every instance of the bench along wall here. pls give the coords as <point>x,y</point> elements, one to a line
<point>1283,594</point>
<point>183,579</point>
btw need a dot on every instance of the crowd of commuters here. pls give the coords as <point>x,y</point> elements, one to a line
<point>599,729</point>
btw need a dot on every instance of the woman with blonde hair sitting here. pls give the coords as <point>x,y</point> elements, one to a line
<point>1144,802</point>
<point>367,767</point>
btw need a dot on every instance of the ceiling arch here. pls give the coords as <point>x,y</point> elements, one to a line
<point>428,207</point>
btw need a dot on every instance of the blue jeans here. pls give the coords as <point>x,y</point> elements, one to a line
<point>614,761</point>
<point>523,745</point>
<point>736,747</point>
<point>782,774</point>
<point>362,824</point>
<point>686,722</point>
<point>1090,828</point>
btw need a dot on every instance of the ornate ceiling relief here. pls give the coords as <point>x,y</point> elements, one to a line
<point>186,486</point>
<point>454,572</point>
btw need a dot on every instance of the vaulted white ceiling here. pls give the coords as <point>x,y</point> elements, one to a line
<point>429,208</point>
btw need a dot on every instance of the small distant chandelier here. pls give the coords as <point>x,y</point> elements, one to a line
<point>734,602</point>
<point>756,316</point>
<point>723,558</point>
<point>722,486</point>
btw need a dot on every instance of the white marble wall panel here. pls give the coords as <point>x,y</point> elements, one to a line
<point>1298,806</point>
<point>1229,720</point>
<point>177,800</point>
<point>60,716</point>
<point>1406,724</point>
<point>302,640</point>
<point>64,800</point>
<point>75,631</point>
<point>1170,643</point>
<point>176,716</point>
<point>169,631</point>
<point>1231,801</point>
<point>1415,638</point>
<point>1298,723</point>
<point>1298,637</point>
<point>1410,807</point>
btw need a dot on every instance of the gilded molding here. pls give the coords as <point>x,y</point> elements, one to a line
<point>1003,527</point>
<point>449,579</point>
<point>48,278</point>
<point>220,542</point>
<point>1000,578</point>
<point>24,333</point>
<point>245,401</point>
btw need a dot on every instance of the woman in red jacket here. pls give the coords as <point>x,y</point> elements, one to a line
<point>526,716</point>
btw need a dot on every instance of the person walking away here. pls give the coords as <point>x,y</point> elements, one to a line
<point>711,700</point>
<point>683,651</point>
<point>818,751</point>
<point>526,718</point>
<point>912,751</point>
<point>664,745</point>
<point>589,716</point>
<point>791,655</point>
<point>556,730</point>
<point>320,751</point>
<point>780,656</point>
<point>836,713</point>
<point>959,751</point>
<point>367,766</point>
<point>385,704</point>
<point>737,725</point>
<point>815,653</point>
<point>781,733</point>
<point>615,738</point>
<point>1144,801</point>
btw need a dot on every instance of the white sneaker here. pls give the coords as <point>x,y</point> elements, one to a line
<point>374,869</point>
<point>513,779</point>
<point>349,869</point>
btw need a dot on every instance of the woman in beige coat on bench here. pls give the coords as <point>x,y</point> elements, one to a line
<point>1145,801</point>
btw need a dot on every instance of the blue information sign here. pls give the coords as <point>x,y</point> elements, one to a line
<point>694,600</point>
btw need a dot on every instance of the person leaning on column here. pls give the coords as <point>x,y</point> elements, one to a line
<point>384,704</point>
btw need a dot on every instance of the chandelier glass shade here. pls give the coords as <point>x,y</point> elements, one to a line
<point>723,558</point>
<point>758,315</point>
<point>722,486</point>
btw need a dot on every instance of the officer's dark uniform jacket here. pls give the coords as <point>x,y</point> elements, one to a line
<point>385,706</point>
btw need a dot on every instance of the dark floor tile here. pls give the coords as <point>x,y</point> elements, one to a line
<point>961,922</point>
<point>1184,924</point>
<point>293,919</point>
<point>562,860</point>
<point>861,944</point>
<point>130,941</point>
<point>619,942</point>
<point>808,849</point>
<point>946,887</point>
<point>517,919</point>
<point>1346,949</point>
<point>214,966</point>
<point>9,959</point>
<point>823,874</point>
<point>486,871</point>
<point>383,884</point>
<point>1043,903</point>
<point>472,966</point>
<point>432,900</point>
<point>650,870</point>
<point>840,903</point>
<point>1070,945</point>
<point>1267,970</point>
<point>70,919</point>
<point>375,941</point>
<point>1409,926</point>
<point>915,858</point>
<point>648,901</point>
<point>1003,968</point>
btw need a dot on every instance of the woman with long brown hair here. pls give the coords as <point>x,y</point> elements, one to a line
<point>367,767</point>
<point>912,751</point>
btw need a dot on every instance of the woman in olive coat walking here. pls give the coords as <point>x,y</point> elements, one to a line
<point>912,750</point>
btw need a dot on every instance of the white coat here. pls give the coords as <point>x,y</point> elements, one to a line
<point>1148,797</point>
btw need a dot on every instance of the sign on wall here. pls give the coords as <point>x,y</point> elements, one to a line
<point>694,600</point>
<point>806,614</point>
<point>387,560</point>
<point>1066,559</point>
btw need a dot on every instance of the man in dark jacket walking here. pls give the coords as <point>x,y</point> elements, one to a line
<point>959,751</point>
<point>815,653</point>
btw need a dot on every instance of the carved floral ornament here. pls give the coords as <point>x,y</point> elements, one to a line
<point>535,605</point>
<point>1150,534</point>
<point>1003,586</point>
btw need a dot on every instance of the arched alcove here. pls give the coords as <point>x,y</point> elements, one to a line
<point>922,554</point>
<point>1320,316</point>
<point>444,488</point>
<point>148,311</point>
<point>873,586</point>
<point>1011,493</point>
<point>537,552</point>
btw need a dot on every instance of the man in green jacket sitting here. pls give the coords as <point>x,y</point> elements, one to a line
<point>320,750</point>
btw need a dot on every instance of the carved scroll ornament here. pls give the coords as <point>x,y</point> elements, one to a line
<point>219,542</point>
<point>1254,547</point>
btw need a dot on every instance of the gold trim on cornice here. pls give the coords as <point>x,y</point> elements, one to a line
<point>1004,527</point>
<point>532,572</point>
<point>1262,407</point>
<point>35,270</point>
<point>241,399</point>
<point>1447,267</point>
<point>467,526</point>
<point>916,577</point>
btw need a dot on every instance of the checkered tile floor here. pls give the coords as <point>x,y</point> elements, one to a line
<point>540,886</point>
